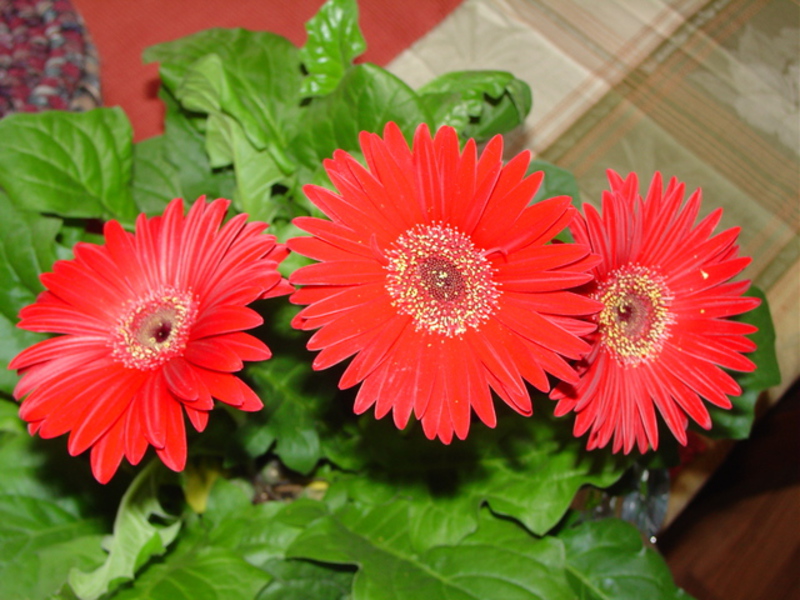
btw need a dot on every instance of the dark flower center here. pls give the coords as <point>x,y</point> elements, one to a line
<point>437,276</point>
<point>635,320</point>
<point>441,278</point>
<point>154,329</point>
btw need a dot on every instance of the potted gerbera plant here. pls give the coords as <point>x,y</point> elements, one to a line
<point>473,347</point>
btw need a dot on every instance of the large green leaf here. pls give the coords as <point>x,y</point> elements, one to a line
<point>500,561</point>
<point>606,560</point>
<point>39,543</point>
<point>256,170</point>
<point>302,580</point>
<point>142,529</point>
<point>36,468</point>
<point>69,164</point>
<point>334,40</point>
<point>254,77</point>
<point>27,248</point>
<point>155,178</point>
<point>737,422</point>
<point>202,574</point>
<point>479,104</point>
<point>527,469</point>
<point>184,148</point>
<point>366,98</point>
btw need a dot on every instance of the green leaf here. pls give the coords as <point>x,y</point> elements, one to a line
<point>39,543</point>
<point>606,560</point>
<point>69,164</point>
<point>533,474</point>
<point>224,552</point>
<point>293,413</point>
<point>9,419</point>
<point>301,580</point>
<point>258,533</point>
<point>501,561</point>
<point>13,340</point>
<point>366,99</point>
<point>333,41</point>
<point>35,468</point>
<point>256,170</point>
<point>27,248</point>
<point>479,104</point>
<point>526,469</point>
<point>255,77</point>
<point>737,422</point>
<point>184,148</point>
<point>142,529</point>
<point>436,517</point>
<point>203,574</point>
<point>557,182</point>
<point>155,178</point>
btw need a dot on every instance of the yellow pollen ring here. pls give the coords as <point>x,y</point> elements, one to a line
<point>437,276</point>
<point>153,329</point>
<point>635,321</point>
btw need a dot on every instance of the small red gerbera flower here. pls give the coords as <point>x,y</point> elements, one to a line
<point>152,326</point>
<point>439,277</point>
<point>663,332</point>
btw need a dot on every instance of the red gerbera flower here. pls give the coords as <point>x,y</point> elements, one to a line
<point>663,332</point>
<point>152,326</point>
<point>439,277</point>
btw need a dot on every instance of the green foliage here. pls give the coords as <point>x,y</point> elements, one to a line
<point>526,469</point>
<point>142,529</point>
<point>366,98</point>
<point>293,416</point>
<point>478,104</point>
<point>50,520</point>
<point>498,561</point>
<point>39,544</point>
<point>334,40</point>
<point>75,164</point>
<point>606,560</point>
<point>26,249</point>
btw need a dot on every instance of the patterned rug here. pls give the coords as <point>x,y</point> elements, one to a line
<point>47,60</point>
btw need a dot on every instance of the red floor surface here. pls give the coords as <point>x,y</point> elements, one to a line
<point>122,29</point>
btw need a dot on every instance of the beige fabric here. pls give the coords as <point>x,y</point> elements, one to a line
<point>705,91</point>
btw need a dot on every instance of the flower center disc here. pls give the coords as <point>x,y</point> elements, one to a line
<point>634,322</point>
<point>154,329</point>
<point>438,277</point>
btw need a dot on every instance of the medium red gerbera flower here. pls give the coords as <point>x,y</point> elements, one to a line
<point>152,326</point>
<point>663,332</point>
<point>439,277</point>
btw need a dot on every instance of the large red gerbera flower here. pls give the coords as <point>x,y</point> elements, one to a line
<point>663,332</point>
<point>437,274</point>
<point>152,326</point>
